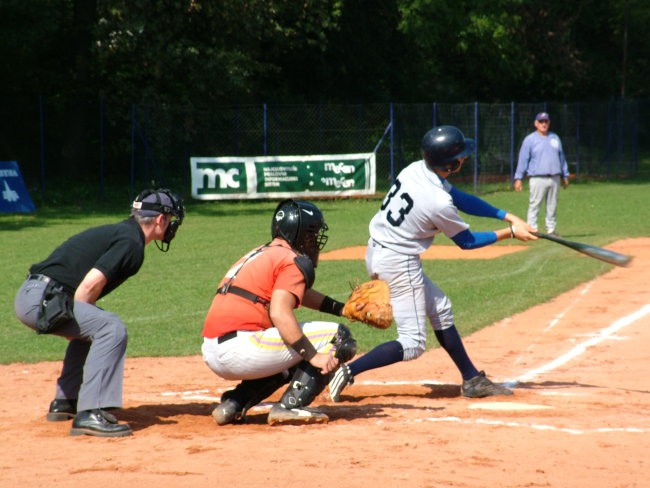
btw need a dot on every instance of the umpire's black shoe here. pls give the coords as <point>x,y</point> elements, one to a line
<point>62,409</point>
<point>98,423</point>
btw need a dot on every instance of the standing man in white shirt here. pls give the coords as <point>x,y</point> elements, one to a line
<point>541,157</point>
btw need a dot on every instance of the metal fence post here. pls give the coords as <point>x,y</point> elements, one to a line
<point>41,129</point>
<point>392,145</point>
<point>512,141</point>
<point>577,138</point>
<point>101,149</point>
<point>265,129</point>
<point>476,162</point>
<point>132,176</point>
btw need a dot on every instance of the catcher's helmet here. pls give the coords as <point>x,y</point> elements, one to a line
<point>150,203</point>
<point>302,225</point>
<point>445,144</point>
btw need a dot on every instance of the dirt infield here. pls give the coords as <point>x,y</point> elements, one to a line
<point>580,415</point>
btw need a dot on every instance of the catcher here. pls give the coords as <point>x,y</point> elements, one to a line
<point>251,332</point>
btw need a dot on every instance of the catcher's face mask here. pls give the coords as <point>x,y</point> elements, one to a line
<point>166,202</point>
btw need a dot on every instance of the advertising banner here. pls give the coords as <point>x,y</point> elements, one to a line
<point>223,178</point>
<point>14,197</point>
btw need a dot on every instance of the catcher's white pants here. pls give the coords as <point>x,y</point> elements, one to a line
<point>413,296</point>
<point>253,355</point>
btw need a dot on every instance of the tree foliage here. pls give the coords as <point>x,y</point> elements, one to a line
<point>201,52</point>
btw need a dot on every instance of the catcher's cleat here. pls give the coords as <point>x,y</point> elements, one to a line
<point>342,378</point>
<point>480,386</point>
<point>227,412</point>
<point>280,415</point>
<point>62,409</point>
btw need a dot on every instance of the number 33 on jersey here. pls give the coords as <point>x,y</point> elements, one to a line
<point>417,207</point>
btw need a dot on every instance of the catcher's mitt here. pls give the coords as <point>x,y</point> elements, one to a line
<point>369,303</point>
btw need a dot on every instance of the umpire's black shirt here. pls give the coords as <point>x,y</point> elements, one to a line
<point>117,250</point>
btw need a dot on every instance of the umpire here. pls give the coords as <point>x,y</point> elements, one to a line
<point>59,297</point>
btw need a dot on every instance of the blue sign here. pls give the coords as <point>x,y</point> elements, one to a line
<point>14,196</point>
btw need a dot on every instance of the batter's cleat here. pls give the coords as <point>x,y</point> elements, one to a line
<point>280,415</point>
<point>227,412</point>
<point>62,409</point>
<point>98,423</point>
<point>342,378</point>
<point>480,386</point>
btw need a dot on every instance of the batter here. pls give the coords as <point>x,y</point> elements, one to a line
<point>420,204</point>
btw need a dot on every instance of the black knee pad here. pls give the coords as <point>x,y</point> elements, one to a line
<point>344,343</point>
<point>307,383</point>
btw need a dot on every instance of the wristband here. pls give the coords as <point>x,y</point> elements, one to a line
<point>303,347</point>
<point>512,231</point>
<point>331,306</point>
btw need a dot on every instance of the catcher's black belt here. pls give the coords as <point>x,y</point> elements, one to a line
<point>227,336</point>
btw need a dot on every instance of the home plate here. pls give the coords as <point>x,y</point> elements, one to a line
<point>507,406</point>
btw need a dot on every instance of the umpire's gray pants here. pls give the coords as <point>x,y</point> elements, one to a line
<point>93,367</point>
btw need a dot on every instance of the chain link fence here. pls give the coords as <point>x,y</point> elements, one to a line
<point>94,145</point>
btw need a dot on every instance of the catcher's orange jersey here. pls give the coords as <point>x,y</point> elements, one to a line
<point>259,272</point>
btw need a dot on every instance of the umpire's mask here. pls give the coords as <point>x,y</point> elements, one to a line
<point>150,203</point>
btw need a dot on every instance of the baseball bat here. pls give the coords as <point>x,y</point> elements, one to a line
<point>606,255</point>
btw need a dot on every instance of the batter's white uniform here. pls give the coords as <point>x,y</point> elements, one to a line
<point>417,207</point>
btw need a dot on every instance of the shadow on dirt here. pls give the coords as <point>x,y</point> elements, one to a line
<point>144,416</point>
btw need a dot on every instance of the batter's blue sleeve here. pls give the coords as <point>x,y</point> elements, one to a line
<point>473,205</point>
<point>473,240</point>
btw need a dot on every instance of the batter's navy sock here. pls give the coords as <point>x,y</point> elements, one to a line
<point>451,342</point>
<point>382,355</point>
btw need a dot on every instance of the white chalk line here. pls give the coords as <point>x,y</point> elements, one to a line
<point>544,427</point>
<point>580,348</point>
<point>561,315</point>
<point>558,318</point>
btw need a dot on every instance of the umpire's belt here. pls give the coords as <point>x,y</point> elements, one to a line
<point>227,336</point>
<point>47,279</point>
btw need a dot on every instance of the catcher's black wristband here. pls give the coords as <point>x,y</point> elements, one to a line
<point>332,306</point>
<point>305,348</point>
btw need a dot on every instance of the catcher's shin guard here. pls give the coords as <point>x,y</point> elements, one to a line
<point>344,343</point>
<point>304,387</point>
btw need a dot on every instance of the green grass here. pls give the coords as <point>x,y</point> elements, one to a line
<point>165,304</point>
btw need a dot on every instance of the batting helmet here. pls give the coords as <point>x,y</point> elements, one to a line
<point>302,225</point>
<point>445,144</point>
